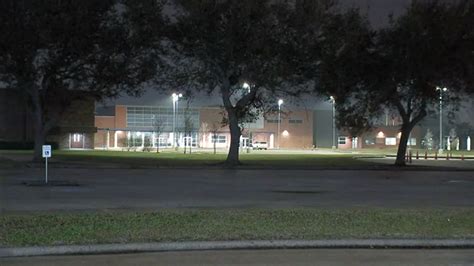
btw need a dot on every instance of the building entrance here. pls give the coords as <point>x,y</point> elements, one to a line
<point>76,141</point>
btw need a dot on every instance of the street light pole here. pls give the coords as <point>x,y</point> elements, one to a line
<point>441,118</point>
<point>280,102</point>
<point>333,101</point>
<point>175,98</point>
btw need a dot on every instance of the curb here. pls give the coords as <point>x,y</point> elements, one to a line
<point>230,245</point>
<point>410,168</point>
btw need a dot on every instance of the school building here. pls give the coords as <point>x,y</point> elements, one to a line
<point>149,127</point>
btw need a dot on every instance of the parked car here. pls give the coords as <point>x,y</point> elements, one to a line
<point>260,145</point>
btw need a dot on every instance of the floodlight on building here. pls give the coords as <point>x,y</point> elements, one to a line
<point>380,135</point>
<point>285,133</point>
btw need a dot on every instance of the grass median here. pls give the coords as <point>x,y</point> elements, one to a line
<point>260,159</point>
<point>266,224</point>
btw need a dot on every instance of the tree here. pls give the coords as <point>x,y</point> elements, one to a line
<point>453,140</point>
<point>400,67</point>
<point>229,43</point>
<point>428,140</point>
<point>57,52</point>
<point>214,130</point>
<point>158,127</point>
<point>188,130</point>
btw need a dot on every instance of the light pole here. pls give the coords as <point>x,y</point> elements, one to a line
<point>441,117</point>
<point>333,101</point>
<point>175,98</point>
<point>280,102</point>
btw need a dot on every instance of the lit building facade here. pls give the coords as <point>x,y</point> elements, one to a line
<point>127,127</point>
<point>149,126</point>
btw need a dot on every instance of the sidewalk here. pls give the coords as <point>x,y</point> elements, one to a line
<point>234,245</point>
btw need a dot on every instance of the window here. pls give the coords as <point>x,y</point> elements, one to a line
<point>390,141</point>
<point>140,117</point>
<point>273,121</point>
<point>296,121</point>
<point>412,142</point>
<point>76,137</point>
<point>342,140</point>
<point>370,141</point>
<point>219,139</point>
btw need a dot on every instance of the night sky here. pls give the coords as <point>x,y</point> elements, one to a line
<point>378,12</point>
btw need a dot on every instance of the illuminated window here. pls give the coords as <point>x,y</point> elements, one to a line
<point>76,137</point>
<point>390,141</point>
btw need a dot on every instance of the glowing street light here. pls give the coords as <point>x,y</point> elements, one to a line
<point>246,86</point>
<point>175,97</point>
<point>441,90</point>
<point>280,102</point>
<point>333,101</point>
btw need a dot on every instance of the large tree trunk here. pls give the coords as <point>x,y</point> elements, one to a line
<point>408,124</point>
<point>402,146</point>
<point>42,125</point>
<point>215,140</point>
<point>235,132</point>
<point>40,139</point>
<point>39,128</point>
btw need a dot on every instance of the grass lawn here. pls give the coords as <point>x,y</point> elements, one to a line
<point>253,224</point>
<point>177,159</point>
<point>393,151</point>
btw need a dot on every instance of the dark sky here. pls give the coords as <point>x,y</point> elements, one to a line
<point>377,10</point>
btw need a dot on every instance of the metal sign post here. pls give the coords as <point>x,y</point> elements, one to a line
<point>46,155</point>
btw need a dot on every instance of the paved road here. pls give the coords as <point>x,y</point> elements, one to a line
<point>263,257</point>
<point>159,188</point>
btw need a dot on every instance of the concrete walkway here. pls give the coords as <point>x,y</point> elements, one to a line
<point>233,245</point>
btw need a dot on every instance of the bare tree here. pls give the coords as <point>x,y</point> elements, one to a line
<point>203,131</point>
<point>214,130</point>
<point>158,127</point>
<point>188,131</point>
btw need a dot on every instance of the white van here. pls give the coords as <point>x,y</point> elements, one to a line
<point>260,145</point>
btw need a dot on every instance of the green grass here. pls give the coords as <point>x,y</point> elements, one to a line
<point>178,159</point>
<point>258,159</point>
<point>268,224</point>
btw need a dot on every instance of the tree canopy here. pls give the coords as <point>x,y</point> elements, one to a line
<point>55,52</point>
<point>401,66</point>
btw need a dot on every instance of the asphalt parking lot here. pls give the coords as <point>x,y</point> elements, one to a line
<point>222,188</point>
